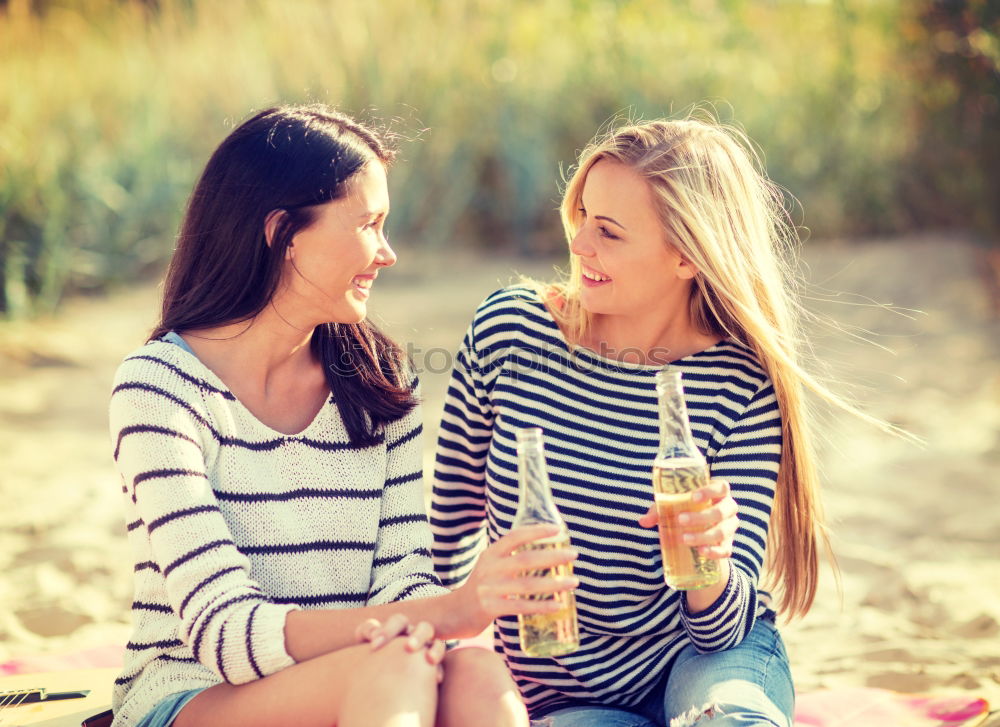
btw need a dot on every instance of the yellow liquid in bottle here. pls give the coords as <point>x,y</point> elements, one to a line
<point>674,482</point>
<point>550,634</point>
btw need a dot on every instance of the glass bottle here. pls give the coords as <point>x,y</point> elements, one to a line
<point>555,633</point>
<point>678,470</point>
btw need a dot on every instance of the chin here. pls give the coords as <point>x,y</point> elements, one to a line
<point>590,305</point>
<point>358,315</point>
<point>349,315</point>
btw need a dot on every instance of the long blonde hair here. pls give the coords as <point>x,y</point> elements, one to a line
<point>722,214</point>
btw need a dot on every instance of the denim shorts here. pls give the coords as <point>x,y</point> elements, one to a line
<point>166,711</point>
<point>749,685</point>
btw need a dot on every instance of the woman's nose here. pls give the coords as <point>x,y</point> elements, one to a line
<point>580,245</point>
<point>385,256</point>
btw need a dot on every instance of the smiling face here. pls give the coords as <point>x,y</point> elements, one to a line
<point>330,266</point>
<point>628,268</point>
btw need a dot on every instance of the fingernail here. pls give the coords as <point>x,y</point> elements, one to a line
<point>697,497</point>
<point>412,643</point>
<point>688,537</point>
<point>683,518</point>
<point>377,641</point>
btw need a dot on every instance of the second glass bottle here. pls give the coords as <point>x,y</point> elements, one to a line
<point>543,634</point>
<point>678,470</point>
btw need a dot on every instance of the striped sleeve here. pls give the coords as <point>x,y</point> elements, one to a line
<point>458,502</point>
<point>230,626</point>
<point>748,460</point>
<point>402,568</point>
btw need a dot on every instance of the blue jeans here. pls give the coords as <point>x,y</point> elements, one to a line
<point>167,709</point>
<point>749,685</point>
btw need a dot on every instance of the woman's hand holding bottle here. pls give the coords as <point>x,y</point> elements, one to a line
<point>502,577</point>
<point>711,530</point>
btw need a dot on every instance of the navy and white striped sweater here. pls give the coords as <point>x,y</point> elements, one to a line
<point>233,524</point>
<point>601,435</point>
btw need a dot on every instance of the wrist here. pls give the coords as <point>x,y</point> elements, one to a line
<point>462,613</point>
<point>701,600</point>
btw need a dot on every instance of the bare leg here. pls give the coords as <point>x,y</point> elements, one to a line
<point>478,690</point>
<point>352,687</point>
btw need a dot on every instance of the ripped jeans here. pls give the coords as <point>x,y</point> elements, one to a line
<point>746,686</point>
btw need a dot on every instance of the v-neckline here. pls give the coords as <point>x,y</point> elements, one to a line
<point>213,379</point>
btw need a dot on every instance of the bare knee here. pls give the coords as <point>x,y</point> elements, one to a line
<point>477,669</point>
<point>713,712</point>
<point>478,689</point>
<point>697,715</point>
<point>390,686</point>
<point>394,666</point>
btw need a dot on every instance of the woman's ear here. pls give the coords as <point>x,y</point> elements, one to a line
<point>686,269</point>
<point>271,224</point>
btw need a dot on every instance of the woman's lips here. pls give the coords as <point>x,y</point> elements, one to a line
<point>592,279</point>
<point>363,284</point>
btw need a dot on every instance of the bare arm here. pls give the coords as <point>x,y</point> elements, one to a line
<point>491,590</point>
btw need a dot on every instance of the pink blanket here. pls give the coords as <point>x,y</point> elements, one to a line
<point>843,707</point>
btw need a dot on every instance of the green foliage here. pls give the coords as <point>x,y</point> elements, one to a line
<point>955,59</point>
<point>110,107</point>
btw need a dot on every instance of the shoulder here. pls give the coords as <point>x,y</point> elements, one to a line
<point>165,369</point>
<point>745,396</point>
<point>733,363</point>
<point>147,363</point>
<point>519,298</point>
<point>730,378</point>
<point>513,311</point>
<point>730,393</point>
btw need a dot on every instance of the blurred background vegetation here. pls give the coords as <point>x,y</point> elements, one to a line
<point>881,116</point>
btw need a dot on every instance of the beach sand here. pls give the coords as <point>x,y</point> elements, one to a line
<point>915,528</point>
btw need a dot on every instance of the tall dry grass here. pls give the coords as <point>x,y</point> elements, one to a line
<point>109,108</point>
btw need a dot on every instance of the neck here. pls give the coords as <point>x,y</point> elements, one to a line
<point>255,349</point>
<point>657,336</point>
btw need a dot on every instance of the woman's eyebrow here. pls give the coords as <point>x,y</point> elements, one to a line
<point>611,220</point>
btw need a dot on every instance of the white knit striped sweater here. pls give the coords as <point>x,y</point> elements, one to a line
<point>232,525</point>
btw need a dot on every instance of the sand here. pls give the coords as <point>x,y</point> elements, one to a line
<point>915,527</point>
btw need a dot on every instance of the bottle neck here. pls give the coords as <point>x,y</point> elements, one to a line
<point>676,440</point>
<point>535,504</point>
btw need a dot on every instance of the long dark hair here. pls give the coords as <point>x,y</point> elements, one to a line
<point>289,158</point>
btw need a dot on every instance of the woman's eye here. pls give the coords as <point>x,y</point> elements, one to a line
<point>605,232</point>
<point>582,211</point>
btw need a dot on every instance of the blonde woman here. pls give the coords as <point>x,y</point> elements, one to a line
<point>678,255</point>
